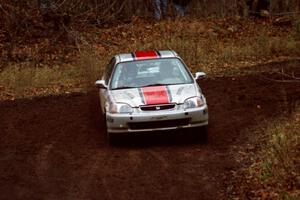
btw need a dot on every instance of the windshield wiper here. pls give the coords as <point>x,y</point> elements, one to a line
<point>125,87</point>
<point>155,84</point>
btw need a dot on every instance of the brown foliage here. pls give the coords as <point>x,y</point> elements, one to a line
<point>27,22</point>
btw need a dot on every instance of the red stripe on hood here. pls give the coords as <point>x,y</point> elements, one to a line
<point>155,95</point>
<point>145,55</point>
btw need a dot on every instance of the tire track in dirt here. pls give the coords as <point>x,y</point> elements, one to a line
<point>55,148</point>
<point>42,165</point>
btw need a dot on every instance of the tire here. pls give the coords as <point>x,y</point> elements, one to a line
<point>204,134</point>
<point>201,134</point>
<point>111,138</point>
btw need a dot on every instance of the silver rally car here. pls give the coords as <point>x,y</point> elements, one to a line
<point>150,91</point>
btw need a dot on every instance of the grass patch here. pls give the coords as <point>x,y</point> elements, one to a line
<point>278,164</point>
<point>19,80</point>
<point>280,153</point>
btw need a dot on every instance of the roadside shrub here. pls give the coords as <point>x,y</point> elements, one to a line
<point>279,159</point>
<point>296,29</point>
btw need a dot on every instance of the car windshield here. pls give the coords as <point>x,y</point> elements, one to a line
<point>164,71</point>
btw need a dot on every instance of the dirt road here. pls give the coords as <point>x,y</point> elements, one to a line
<point>55,147</point>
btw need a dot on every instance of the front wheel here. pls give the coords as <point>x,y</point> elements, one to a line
<point>111,138</point>
<point>201,133</point>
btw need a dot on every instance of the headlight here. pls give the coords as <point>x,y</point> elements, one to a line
<point>193,102</point>
<point>120,108</point>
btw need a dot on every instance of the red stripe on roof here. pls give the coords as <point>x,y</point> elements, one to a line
<point>145,55</point>
<point>155,95</point>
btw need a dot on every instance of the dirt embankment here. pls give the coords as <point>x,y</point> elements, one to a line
<point>55,148</point>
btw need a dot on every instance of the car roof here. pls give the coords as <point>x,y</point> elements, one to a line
<point>144,55</point>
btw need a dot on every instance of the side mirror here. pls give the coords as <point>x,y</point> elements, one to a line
<point>199,75</point>
<point>100,84</point>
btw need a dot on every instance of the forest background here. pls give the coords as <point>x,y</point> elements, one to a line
<point>62,46</point>
<point>46,45</point>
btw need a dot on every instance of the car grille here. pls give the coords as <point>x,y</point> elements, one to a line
<point>158,124</point>
<point>157,107</point>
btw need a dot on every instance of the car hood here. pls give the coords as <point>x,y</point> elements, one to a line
<point>154,95</point>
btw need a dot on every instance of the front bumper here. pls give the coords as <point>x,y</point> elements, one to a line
<point>157,120</point>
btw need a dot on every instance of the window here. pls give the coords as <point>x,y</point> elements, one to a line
<point>109,70</point>
<point>164,71</point>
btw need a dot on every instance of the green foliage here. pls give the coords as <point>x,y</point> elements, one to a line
<point>266,171</point>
